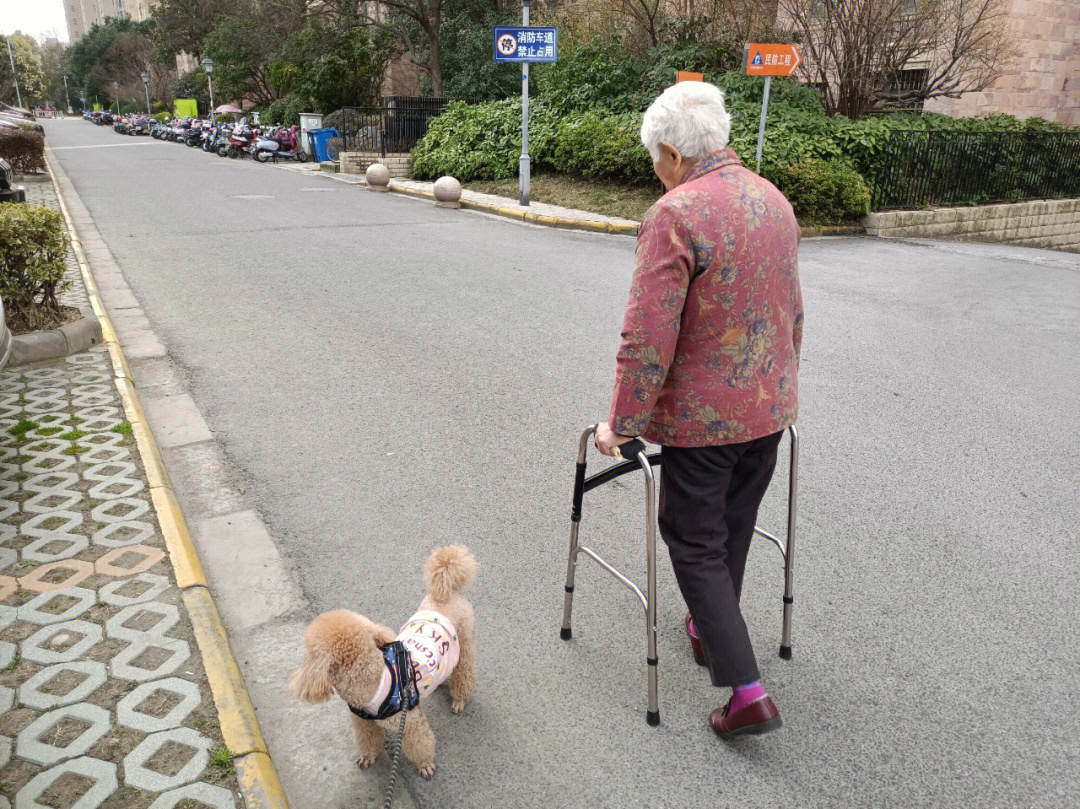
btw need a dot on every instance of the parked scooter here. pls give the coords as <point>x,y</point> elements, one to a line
<point>280,143</point>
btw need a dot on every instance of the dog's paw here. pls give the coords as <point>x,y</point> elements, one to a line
<point>366,761</point>
<point>426,770</point>
<point>458,705</point>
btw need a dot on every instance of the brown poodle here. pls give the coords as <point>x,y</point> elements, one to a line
<point>359,659</point>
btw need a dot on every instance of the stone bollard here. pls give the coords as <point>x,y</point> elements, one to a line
<point>447,193</point>
<point>378,177</point>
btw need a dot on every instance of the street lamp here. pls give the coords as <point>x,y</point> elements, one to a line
<point>145,76</point>
<point>116,92</point>
<point>67,97</point>
<point>208,66</point>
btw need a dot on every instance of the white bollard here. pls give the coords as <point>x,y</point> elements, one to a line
<point>378,177</point>
<point>447,193</point>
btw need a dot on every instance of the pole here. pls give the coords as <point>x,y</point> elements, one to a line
<point>14,77</point>
<point>761,128</point>
<point>524,168</point>
<point>213,117</point>
<point>146,87</point>
<point>66,96</point>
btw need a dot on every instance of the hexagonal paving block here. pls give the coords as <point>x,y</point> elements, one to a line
<point>8,586</point>
<point>36,647</point>
<point>156,585</point>
<point>34,526</point>
<point>79,570</point>
<point>29,746</point>
<point>8,556</point>
<point>123,533</point>
<point>122,667</point>
<point>136,774</point>
<point>213,796</point>
<point>129,715</point>
<point>120,510</point>
<point>168,616</point>
<point>5,751</point>
<point>7,654</point>
<point>103,773</point>
<point>31,695</point>
<point>73,544</point>
<point>8,616</point>
<point>7,698</point>
<point>151,556</point>
<point>34,610</point>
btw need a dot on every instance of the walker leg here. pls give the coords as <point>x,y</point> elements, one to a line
<point>789,553</point>
<point>652,714</point>
<point>575,521</point>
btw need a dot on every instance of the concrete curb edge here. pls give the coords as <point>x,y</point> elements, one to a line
<point>258,780</point>
<point>52,344</point>
<point>596,226</point>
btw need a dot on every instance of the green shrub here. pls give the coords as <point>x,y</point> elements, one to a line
<point>33,245</point>
<point>162,116</point>
<point>23,148</point>
<point>823,192</point>
<point>598,147</point>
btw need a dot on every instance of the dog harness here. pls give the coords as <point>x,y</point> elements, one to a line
<point>417,662</point>
<point>397,688</point>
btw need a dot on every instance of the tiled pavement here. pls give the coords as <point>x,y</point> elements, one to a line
<point>103,697</point>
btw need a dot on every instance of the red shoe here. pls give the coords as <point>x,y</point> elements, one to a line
<point>760,716</point>
<point>695,643</point>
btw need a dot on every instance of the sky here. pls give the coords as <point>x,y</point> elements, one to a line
<point>39,18</point>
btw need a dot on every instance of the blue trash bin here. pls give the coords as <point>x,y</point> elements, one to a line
<point>318,138</point>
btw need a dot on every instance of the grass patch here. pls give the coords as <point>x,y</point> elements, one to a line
<point>47,431</point>
<point>23,427</point>
<point>47,419</point>
<point>124,428</point>
<point>199,723</point>
<point>74,421</point>
<point>23,596</point>
<point>75,449</point>
<point>223,760</point>
<point>21,476</point>
<point>598,196</point>
<point>74,435</point>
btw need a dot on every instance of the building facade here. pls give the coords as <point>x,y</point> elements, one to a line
<point>1044,77</point>
<point>84,14</point>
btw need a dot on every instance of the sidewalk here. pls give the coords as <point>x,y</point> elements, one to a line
<point>105,701</point>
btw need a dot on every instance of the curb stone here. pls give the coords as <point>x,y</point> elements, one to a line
<point>51,344</point>
<point>589,224</point>
<point>259,783</point>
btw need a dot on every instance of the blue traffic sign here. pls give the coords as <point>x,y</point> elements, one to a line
<point>517,43</point>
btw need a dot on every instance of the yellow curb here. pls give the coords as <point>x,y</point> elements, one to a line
<point>259,782</point>
<point>239,727</point>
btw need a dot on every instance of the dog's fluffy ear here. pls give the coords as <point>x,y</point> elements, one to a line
<point>383,636</point>
<point>311,682</point>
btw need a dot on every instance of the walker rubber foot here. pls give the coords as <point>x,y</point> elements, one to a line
<point>785,652</point>
<point>565,633</point>
<point>652,718</point>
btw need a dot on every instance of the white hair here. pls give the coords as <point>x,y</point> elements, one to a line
<point>691,117</point>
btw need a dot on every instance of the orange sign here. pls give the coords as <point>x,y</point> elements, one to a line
<point>771,60</point>
<point>688,75</point>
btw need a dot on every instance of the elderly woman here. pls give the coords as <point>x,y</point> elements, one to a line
<point>708,369</point>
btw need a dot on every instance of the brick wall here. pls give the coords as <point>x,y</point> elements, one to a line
<point>1044,77</point>
<point>1042,223</point>
<point>358,162</point>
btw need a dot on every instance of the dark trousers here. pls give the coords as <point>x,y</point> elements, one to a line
<point>709,499</point>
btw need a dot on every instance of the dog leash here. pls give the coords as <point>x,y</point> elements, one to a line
<point>395,762</point>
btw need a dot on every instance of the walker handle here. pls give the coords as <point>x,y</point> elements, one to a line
<point>629,451</point>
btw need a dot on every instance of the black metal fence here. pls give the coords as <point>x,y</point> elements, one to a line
<point>920,168</point>
<point>396,125</point>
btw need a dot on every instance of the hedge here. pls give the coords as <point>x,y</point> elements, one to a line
<point>823,192</point>
<point>33,246</point>
<point>24,149</point>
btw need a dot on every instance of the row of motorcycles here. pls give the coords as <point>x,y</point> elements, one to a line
<point>263,143</point>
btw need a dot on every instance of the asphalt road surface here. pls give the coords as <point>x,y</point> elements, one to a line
<point>390,376</point>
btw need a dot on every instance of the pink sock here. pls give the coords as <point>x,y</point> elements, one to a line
<point>743,695</point>
<point>692,628</point>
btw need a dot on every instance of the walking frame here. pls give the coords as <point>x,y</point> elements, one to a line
<point>634,456</point>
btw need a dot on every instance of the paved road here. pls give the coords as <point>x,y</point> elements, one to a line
<point>389,376</point>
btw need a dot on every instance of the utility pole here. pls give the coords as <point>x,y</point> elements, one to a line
<point>14,76</point>
<point>524,164</point>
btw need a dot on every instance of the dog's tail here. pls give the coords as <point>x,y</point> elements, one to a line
<point>448,571</point>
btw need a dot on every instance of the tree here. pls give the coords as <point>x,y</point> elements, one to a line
<point>183,25</point>
<point>28,70</point>
<point>418,25</point>
<point>875,54</point>
<point>53,68</point>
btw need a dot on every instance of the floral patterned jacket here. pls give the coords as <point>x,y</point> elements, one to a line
<point>712,333</point>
